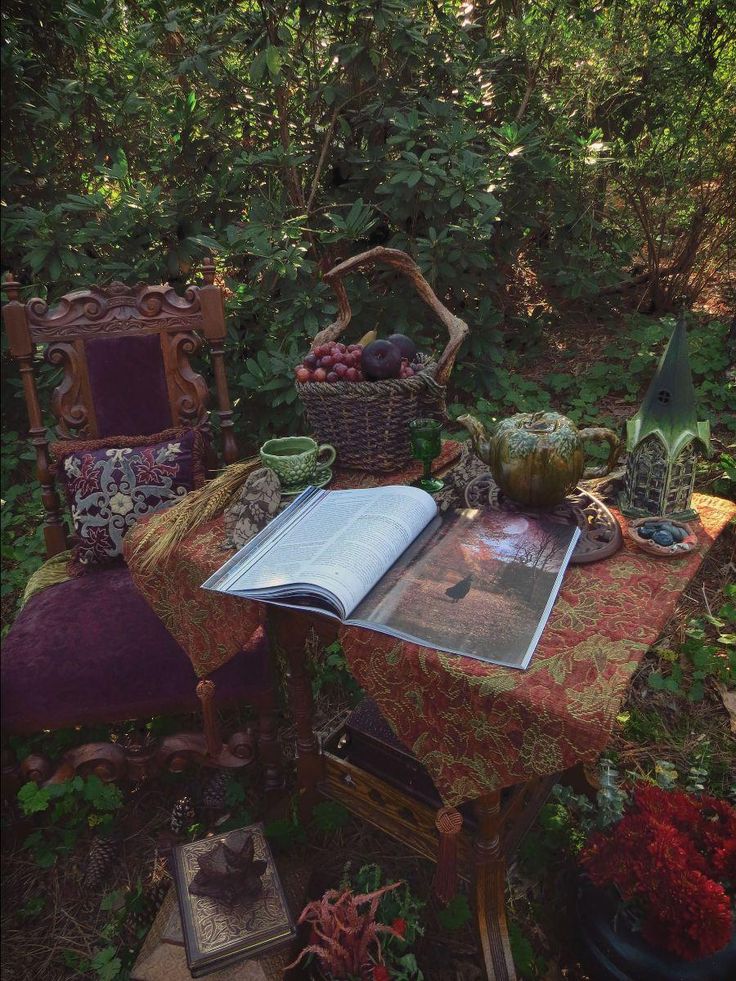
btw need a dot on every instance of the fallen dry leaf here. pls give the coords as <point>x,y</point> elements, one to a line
<point>729,701</point>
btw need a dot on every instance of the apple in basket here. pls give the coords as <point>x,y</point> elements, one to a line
<point>406,345</point>
<point>380,360</point>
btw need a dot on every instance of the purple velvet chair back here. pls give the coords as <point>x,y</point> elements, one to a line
<point>127,377</point>
<point>124,353</point>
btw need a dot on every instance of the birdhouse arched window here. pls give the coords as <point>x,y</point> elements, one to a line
<point>681,481</point>
<point>646,475</point>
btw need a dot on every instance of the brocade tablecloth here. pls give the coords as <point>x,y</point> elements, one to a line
<point>209,626</point>
<point>477,727</point>
<point>474,726</point>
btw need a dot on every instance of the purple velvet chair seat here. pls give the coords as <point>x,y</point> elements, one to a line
<point>91,650</point>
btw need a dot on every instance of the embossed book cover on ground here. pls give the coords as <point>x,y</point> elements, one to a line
<point>236,925</point>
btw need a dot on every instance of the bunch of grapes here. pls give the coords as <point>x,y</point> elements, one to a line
<point>331,362</point>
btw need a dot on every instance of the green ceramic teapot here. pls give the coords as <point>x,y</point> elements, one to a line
<point>537,458</point>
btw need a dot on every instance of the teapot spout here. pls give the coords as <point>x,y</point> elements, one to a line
<point>478,437</point>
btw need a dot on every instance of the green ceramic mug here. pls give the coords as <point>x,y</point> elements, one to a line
<point>296,459</point>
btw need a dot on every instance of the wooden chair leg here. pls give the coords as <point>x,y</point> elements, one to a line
<point>490,887</point>
<point>269,752</point>
<point>206,695</point>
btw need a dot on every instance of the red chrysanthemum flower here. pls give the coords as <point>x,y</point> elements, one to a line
<point>672,852</point>
<point>380,973</point>
<point>399,925</point>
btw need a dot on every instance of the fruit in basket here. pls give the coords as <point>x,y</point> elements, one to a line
<point>381,359</point>
<point>405,344</point>
<point>331,362</point>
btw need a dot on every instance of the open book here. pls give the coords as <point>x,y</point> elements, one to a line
<point>479,583</point>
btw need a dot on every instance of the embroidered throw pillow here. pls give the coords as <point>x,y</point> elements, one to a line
<point>111,483</point>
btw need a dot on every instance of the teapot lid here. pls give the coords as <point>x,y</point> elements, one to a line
<point>538,423</point>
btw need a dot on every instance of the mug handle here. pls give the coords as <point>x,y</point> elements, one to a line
<point>598,433</point>
<point>332,453</point>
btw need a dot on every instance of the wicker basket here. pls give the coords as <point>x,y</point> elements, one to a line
<point>368,422</point>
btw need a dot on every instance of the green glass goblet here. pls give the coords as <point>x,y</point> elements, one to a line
<point>425,436</point>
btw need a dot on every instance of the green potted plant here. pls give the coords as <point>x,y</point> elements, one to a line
<point>362,931</point>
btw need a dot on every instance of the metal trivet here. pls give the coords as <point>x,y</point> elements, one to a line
<point>600,534</point>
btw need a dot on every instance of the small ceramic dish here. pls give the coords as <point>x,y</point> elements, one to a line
<point>319,479</point>
<point>687,544</point>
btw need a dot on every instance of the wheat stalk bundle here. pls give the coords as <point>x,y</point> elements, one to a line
<point>165,531</point>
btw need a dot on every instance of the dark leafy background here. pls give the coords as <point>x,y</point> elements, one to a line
<point>561,172</point>
<point>564,173</point>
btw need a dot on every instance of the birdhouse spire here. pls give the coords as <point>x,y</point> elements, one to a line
<point>669,409</point>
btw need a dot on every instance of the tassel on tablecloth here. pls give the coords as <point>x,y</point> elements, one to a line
<point>449,823</point>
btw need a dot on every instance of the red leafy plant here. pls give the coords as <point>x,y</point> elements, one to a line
<point>674,855</point>
<point>345,936</point>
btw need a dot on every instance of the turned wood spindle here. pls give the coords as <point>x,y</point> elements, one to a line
<point>206,696</point>
<point>22,349</point>
<point>208,271</point>
<point>288,632</point>
<point>213,313</point>
<point>490,885</point>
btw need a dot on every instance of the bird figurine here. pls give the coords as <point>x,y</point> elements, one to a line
<point>460,589</point>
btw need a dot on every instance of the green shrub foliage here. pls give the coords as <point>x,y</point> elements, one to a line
<point>576,144</point>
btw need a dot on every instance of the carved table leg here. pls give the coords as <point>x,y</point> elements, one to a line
<point>288,632</point>
<point>269,751</point>
<point>490,884</point>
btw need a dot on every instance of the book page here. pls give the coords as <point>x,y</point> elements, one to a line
<point>342,543</point>
<point>478,583</point>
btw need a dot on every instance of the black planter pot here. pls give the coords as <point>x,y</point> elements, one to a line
<point>612,951</point>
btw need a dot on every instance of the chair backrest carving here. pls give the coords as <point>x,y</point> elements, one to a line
<point>125,358</point>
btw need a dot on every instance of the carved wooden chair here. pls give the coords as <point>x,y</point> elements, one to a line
<point>89,650</point>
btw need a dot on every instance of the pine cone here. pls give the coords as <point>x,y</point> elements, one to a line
<point>183,815</point>
<point>152,898</point>
<point>156,894</point>
<point>102,853</point>
<point>143,912</point>
<point>213,795</point>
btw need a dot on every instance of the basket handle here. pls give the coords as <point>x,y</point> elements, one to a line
<point>456,328</point>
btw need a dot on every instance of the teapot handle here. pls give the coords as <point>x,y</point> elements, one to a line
<point>598,433</point>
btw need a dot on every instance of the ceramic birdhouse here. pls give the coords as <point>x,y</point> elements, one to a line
<point>663,439</point>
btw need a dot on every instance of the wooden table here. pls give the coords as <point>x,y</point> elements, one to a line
<point>591,646</point>
<point>502,818</point>
<point>503,815</point>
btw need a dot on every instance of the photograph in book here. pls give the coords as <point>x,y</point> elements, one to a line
<point>479,583</point>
